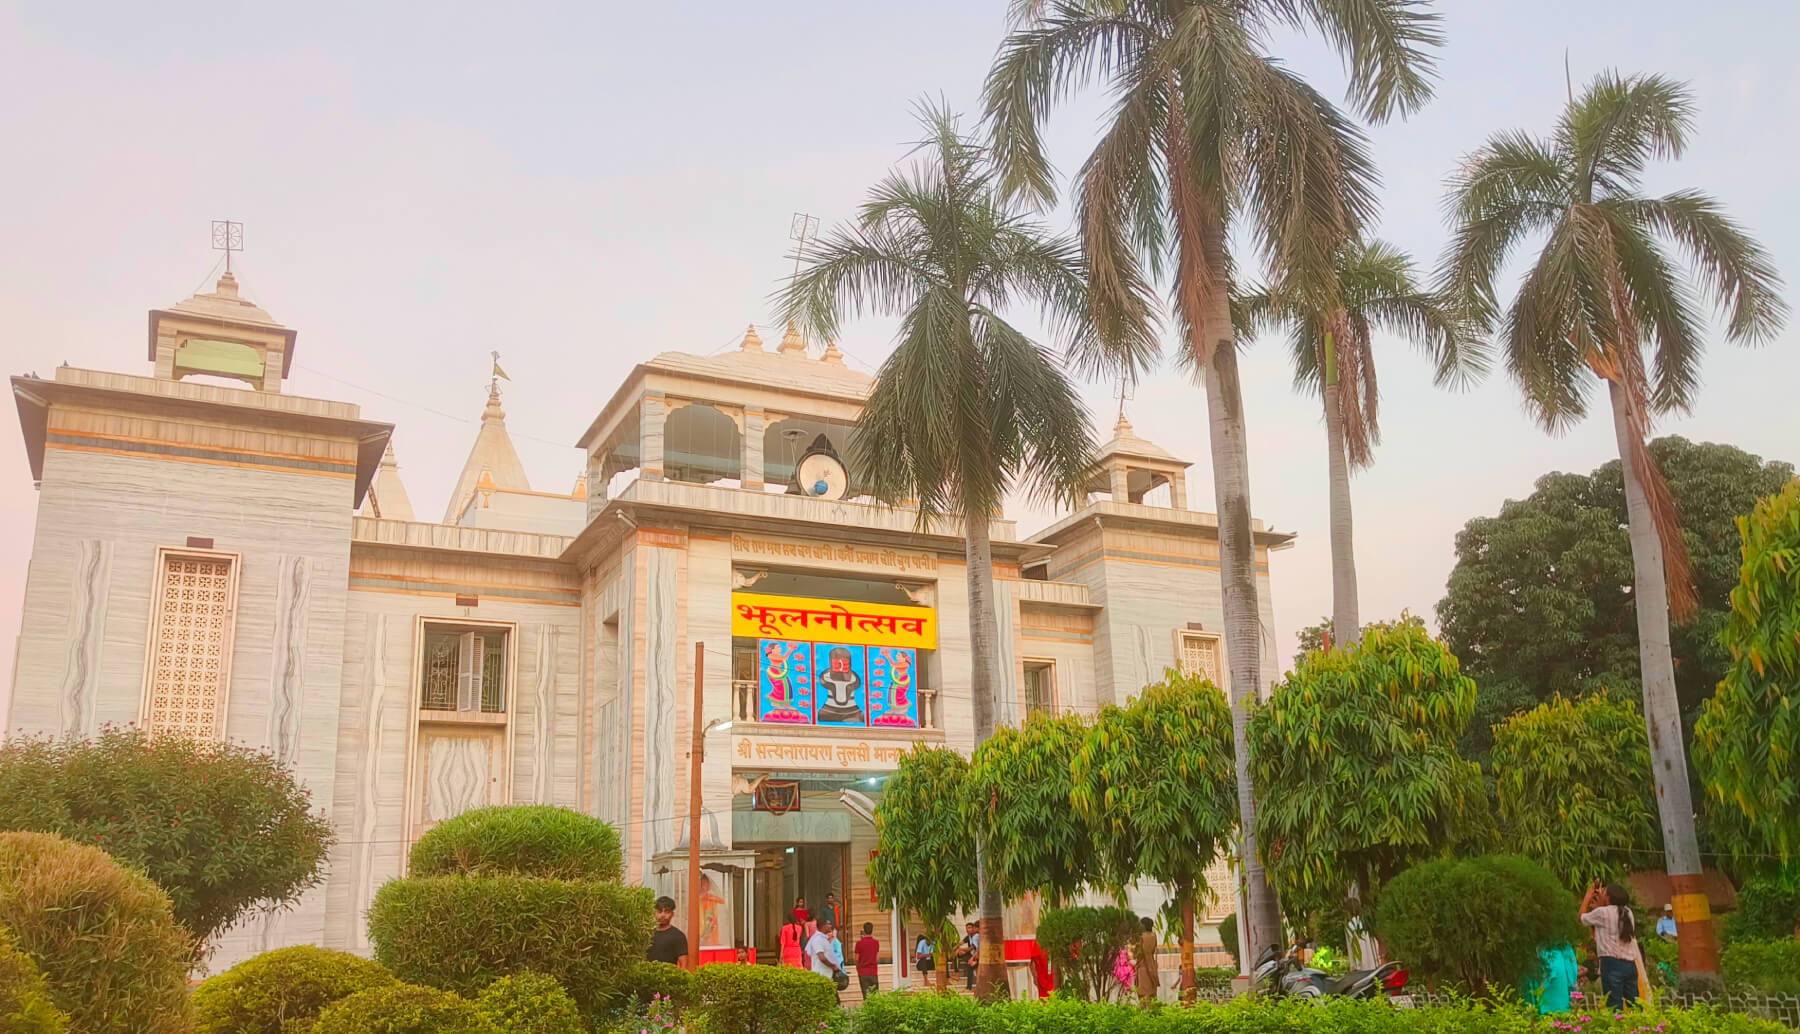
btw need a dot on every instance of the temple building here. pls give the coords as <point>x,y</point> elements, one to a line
<point>219,558</point>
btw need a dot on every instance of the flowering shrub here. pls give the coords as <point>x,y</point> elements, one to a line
<point>222,828</point>
<point>281,988</point>
<point>647,982</point>
<point>112,956</point>
<point>938,1014</point>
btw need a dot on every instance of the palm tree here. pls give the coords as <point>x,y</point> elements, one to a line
<point>1333,356</point>
<point>1208,131</point>
<point>967,407</point>
<point>1602,293</point>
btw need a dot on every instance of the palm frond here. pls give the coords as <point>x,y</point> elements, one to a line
<point>1387,45</point>
<point>1509,189</point>
<point>1733,268</point>
<point>1309,183</point>
<point>1064,46</point>
<point>1617,125</point>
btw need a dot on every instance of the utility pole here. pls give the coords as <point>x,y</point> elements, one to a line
<point>696,721</point>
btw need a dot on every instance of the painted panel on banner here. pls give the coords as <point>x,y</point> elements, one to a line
<point>784,681</point>
<point>759,616</point>
<point>842,687</point>
<point>893,688</point>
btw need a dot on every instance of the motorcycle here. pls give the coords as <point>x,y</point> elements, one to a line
<point>1278,974</point>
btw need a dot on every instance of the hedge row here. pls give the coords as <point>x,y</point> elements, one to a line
<point>951,1014</point>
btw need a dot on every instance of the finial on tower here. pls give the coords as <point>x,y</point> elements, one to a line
<point>1123,427</point>
<point>832,355</point>
<point>495,377</point>
<point>791,342</point>
<point>751,342</point>
<point>227,236</point>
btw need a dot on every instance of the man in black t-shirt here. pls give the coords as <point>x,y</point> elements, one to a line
<point>667,944</point>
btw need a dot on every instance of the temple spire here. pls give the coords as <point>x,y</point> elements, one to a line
<point>791,341</point>
<point>492,457</point>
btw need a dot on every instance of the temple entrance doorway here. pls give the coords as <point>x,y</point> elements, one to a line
<point>784,874</point>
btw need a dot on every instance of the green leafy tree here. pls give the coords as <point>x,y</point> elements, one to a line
<point>1156,784</point>
<point>1018,800</point>
<point>924,856</point>
<point>1356,755</point>
<point>1313,637</point>
<point>1208,131</point>
<point>1602,292</point>
<point>1087,940</point>
<point>224,829</point>
<point>967,407</point>
<point>1572,781</point>
<point>1334,357</point>
<point>1540,603</point>
<point>1747,741</point>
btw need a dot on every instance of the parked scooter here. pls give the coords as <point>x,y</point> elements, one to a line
<point>1278,974</point>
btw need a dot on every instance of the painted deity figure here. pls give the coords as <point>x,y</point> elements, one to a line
<point>841,683</point>
<point>901,679</point>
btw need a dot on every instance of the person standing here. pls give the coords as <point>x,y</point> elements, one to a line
<point>793,942</point>
<point>868,961</point>
<point>969,951</point>
<point>818,953</point>
<point>667,943</point>
<point>923,962</point>
<point>830,909</point>
<point>1556,978</point>
<point>1146,961</point>
<point>1608,911</point>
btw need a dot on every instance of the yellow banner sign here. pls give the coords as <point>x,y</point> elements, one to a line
<point>756,616</point>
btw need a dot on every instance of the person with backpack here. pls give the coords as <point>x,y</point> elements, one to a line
<point>1608,912</point>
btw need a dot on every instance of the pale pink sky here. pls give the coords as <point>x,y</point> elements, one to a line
<point>581,189</point>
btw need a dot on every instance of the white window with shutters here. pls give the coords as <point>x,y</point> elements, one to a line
<point>1197,653</point>
<point>464,669</point>
<point>188,659</point>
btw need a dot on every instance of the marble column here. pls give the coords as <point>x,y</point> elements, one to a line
<point>653,409</point>
<point>755,423</point>
<point>596,483</point>
<point>1178,490</point>
<point>1121,486</point>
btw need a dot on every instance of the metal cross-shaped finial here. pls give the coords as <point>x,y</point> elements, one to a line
<point>1124,394</point>
<point>227,236</point>
<point>804,227</point>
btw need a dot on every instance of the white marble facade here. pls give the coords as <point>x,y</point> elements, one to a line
<point>332,609</point>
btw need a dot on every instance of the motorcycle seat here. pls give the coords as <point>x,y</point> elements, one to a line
<point>1348,980</point>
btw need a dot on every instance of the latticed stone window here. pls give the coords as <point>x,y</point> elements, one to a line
<point>1199,655</point>
<point>190,644</point>
<point>464,670</point>
<point>1221,884</point>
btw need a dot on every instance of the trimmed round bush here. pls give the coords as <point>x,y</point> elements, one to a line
<point>287,986</point>
<point>462,934</point>
<point>646,981</point>
<point>25,1005</point>
<point>520,840</point>
<point>530,1003</point>
<point>763,999</point>
<point>112,955</point>
<point>403,1009</point>
<point>1476,921</point>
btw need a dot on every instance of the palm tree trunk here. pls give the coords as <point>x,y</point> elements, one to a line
<point>984,679</point>
<point>1698,947</point>
<point>1243,625</point>
<point>1201,241</point>
<point>1346,621</point>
